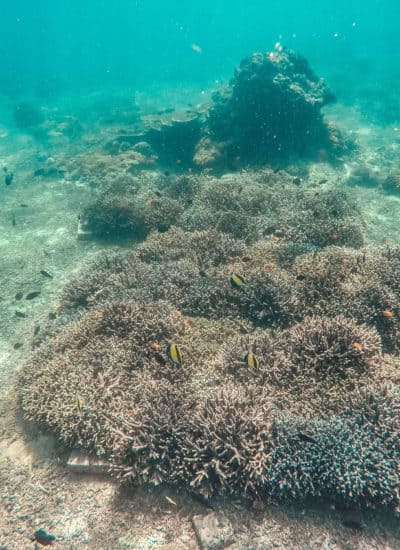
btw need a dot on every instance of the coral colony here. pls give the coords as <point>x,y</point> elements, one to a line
<point>247,344</point>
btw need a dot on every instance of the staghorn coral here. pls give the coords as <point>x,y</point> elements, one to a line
<point>228,443</point>
<point>310,418</point>
<point>207,248</point>
<point>331,347</point>
<point>270,298</point>
<point>246,205</point>
<point>130,214</point>
<point>150,446</point>
<point>99,358</point>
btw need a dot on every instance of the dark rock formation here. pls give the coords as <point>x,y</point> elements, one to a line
<point>271,108</point>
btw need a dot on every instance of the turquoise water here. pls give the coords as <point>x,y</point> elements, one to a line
<point>50,46</point>
<point>244,231</point>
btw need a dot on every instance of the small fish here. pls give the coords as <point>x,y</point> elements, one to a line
<point>174,354</point>
<point>251,360</point>
<point>322,181</point>
<point>23,205</point>
<point>18,345</point>
<point>20,314</point>
<point>202,273</point>
<point>158,194</point>
<point>196,48</point>
<point>32,295</point>
<point>8,178</point>
<point>13,220</point>
<point>43,537</point>
<point>36,330</point>
<point>387,313</point>
<point>307,438</point>
<point>19,295</point>
<point>236,280</point>
<point>170,500</point>
<point>46,274</point>
<point>297,181</point>
<point>79,403</point>
<point>357,346</point>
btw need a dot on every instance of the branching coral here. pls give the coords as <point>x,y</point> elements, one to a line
<point>331,347</point>
<point>277,395</point>
<point>340,459</point>
<point>151,441</point>
<point>270,298</point>
<point>228,443</point>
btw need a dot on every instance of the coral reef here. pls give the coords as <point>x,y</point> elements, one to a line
<point>284,379</point>
<point>271,109</point>
<point>247,205</point>
<point>314,413</point>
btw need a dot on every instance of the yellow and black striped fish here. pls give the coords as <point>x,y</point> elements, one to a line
<point>251,360</point>
<point>236,280</point>
<point>174,354</point>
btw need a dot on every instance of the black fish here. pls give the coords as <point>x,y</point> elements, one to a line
<point>307,438</point>
<point>158,194</point>
<point>32,295</point>
<point>297,181</point>
<point>202,273</point>
<point>20,314</point>
<point>46,274</point>
<point>23,205</point>
<point>18,345</point>
<point>13,220</point>
<point>322,181</point>
<point>43,537</point>
<point>19,295</point>
<point>352,519</point>
<point>8,178</point>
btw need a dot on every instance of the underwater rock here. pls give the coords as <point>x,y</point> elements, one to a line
<point>27,115</point>
<point>170,137</point>
<point>271,108</point>
<point>174,137</point>
<point>213,531</point>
